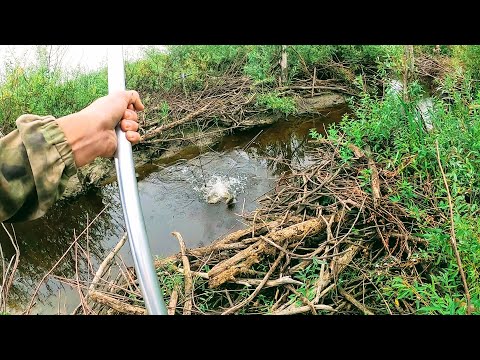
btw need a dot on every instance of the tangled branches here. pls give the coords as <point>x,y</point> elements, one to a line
<point>320,243</point>
<point>434,67</point>
<point>224,103</point>
<point>223,99</point>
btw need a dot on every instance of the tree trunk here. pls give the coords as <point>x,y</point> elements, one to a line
<point>283,66</point>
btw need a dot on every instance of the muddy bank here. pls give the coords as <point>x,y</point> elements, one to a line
<point>102,171</point>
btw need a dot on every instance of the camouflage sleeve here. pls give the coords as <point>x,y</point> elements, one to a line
<point>35,164</point>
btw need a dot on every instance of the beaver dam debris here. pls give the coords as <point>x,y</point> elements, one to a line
<point>320,243</point>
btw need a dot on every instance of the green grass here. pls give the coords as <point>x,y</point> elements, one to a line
<point>35,89</point>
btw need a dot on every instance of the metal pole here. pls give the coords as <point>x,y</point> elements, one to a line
<point>132,212</point>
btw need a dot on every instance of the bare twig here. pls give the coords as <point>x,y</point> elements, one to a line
<point>350,298</point>
<point>116,304</point>
<point>173,124</point>
<point>8,274</point>
<point>453,239</point>
<point>30,305</point>
<point>106,263</point>
<point>173,302</point>
<point>302,309</point>
<point>257,290</point>
<point>187,307</point>
<point>303,298</point>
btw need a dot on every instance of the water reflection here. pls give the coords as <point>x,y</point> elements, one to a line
<point>43,241</point>
<point>284,143</point>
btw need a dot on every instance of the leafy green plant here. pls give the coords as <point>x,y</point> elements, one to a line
<point>308,276</point>
<point>364,178</point>
<point>392,128</point>
<point>164,110</point>
<point>314,134</point>
<point>272,101</point>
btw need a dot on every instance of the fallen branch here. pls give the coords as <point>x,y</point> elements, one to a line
<point>303,298</point>
<point>355,302</point>
<point>453,239</point>
<point>235,308</point>
<point>340,263</point>
<point>116,304</point>
<point>319,87</point>
<point>229,268</point>
<point>173,302</point>
<point>106,264</point>
<point>374,179</point>
<point>284,280</point>
<point>237,235</point>
<point>173,124</point>
<point>101,270</point>
<point>303,309</point>
<point>187,307</point>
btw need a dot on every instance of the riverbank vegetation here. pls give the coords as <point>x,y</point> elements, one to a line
<point>183,71</point>
<point>384,219</point>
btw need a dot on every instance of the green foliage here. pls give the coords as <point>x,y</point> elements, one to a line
<point>259,62</point>
<point>308,277</point>
<point>164,110</point>
<point>367,54</point>
<point>38,91</point>
<point>469,55</point>
<point>364,178</point>
<point>272,101</point>
<point>314,134</point>
<point>446,50</point>
<point>395,132</point>
<point>189,65</point>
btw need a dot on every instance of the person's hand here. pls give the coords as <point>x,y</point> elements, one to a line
<point>91,131</point>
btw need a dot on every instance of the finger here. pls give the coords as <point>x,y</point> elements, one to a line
<point>130,115</point>
<point>131,107</point>
<point>133,137</point>
<point>129,125</point>
<point>134,99</point>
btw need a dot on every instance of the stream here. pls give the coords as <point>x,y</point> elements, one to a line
<point>174,194</point>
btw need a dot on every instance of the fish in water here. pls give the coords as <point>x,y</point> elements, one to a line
<point>220,191</point>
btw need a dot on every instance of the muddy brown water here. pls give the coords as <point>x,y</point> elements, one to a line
<point>172,194</point>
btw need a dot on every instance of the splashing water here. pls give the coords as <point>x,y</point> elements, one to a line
<point>220,187</point>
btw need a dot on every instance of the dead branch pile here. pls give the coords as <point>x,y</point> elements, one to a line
<point>433,67</point>
<point>225,102</point>
<point>319,243</point>
<point>225,99</point>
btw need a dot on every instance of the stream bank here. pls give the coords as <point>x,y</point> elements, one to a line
<point>102,171</point>
<point>173,192</point>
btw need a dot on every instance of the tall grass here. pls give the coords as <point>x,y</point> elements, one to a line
<point>36,90</point>
<point>41,90</point>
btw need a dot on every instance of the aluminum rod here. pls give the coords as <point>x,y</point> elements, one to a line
<point>128,188</point>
